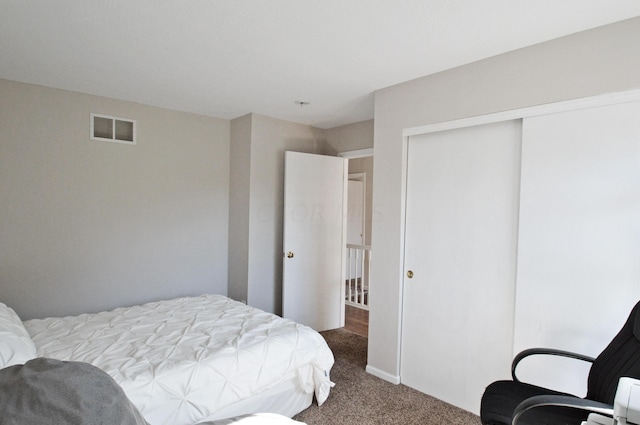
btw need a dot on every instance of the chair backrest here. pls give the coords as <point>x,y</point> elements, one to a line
<point>620,358</point>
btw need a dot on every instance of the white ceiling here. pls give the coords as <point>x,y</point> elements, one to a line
<point>226,58</point>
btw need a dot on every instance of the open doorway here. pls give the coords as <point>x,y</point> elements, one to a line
<point>358,250</point>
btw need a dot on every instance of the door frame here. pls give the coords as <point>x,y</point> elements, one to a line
<point>355,154</point>
<point>362,178</point>
<point>359,153</point>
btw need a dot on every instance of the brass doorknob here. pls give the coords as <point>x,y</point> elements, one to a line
<point>410,274</point>
<point>289,254</point>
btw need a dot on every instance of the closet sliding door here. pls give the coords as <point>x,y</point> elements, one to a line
<point>579,238</point>
<point>460,252</point>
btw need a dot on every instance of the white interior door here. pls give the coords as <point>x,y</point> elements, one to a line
<point>314,240</point>
<point>460,246</point>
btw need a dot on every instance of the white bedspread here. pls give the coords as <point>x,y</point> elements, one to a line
<point>180,360</point>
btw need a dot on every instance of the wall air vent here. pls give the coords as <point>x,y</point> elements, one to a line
<point>113,129</point>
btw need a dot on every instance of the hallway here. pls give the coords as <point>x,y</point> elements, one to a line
<point>356,320</point>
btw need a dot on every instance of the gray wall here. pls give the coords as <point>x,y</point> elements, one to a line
<point>594,62</point>
<point>87,225</point>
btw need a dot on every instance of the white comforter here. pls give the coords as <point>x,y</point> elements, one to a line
<point>180,360</point>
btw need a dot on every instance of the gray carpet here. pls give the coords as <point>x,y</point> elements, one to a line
<point>360,398</point>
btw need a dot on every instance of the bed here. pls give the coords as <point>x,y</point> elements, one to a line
<point>192,359</point>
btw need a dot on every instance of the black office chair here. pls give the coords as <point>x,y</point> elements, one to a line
<point>508,402</point>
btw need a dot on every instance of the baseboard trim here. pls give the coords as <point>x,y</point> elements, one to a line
<point>394,379</point>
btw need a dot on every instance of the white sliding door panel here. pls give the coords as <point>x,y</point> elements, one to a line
<point>579,241</point>
<point>460,245</point>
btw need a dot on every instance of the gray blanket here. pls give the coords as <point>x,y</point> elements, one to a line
<point>46,391</point>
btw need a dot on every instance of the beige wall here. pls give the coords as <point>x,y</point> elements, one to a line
<point>351,137</point>
<point>92,225</point>
<point>598,61</point>
<point>239,207</point>
<point>89,225</point>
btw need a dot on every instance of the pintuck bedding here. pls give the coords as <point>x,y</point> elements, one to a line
<point>195,359</point>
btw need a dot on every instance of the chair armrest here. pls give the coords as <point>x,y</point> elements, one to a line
<point>546,351</point>
<point>561,401</point>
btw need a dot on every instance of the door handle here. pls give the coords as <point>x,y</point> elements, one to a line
<point>289,254</point>
<point>410,274</point>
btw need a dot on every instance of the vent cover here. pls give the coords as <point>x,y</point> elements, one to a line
<point>113,129</point>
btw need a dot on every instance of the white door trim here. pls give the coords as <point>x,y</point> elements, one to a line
<point>532,111</point>
<point>360,153</point>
